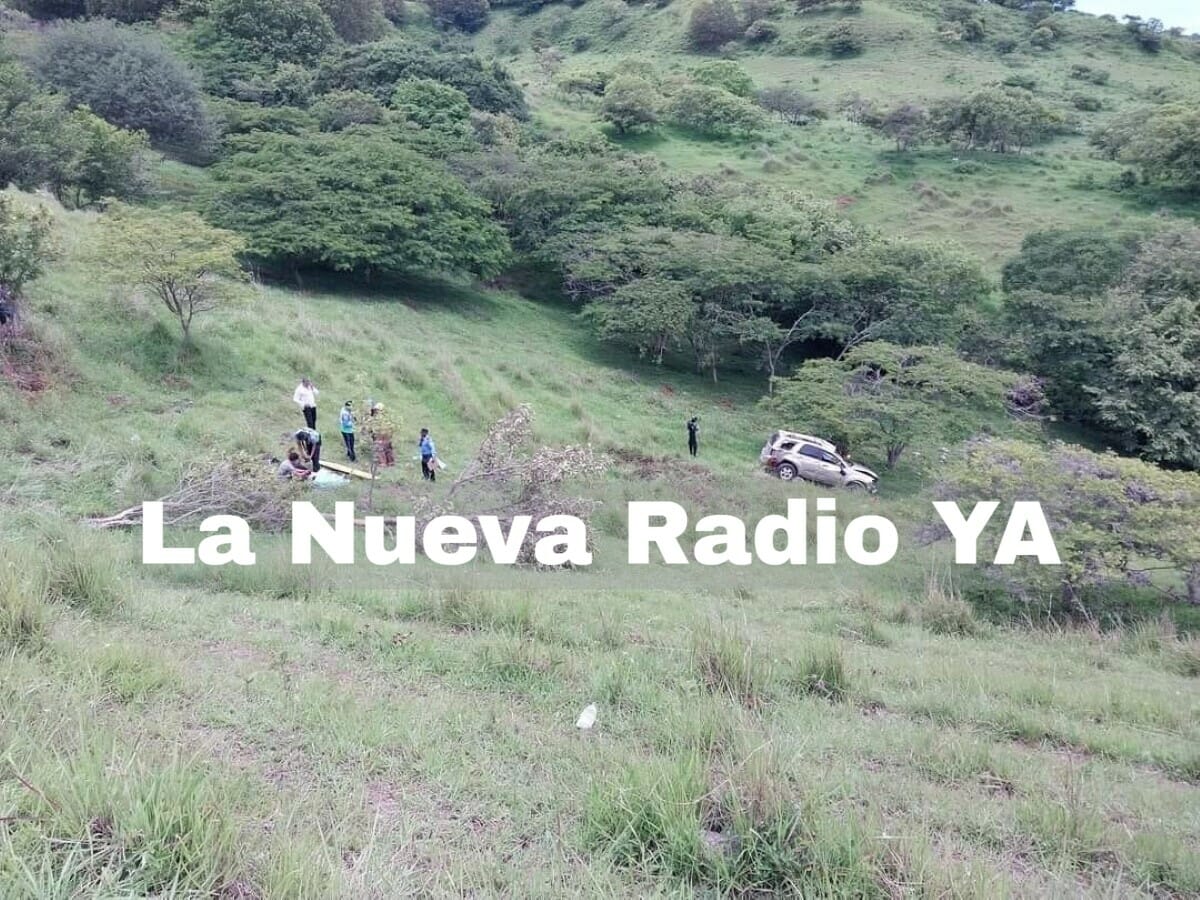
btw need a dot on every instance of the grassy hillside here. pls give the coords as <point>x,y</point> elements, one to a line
<point>985,201</point>
<point>281,733</point>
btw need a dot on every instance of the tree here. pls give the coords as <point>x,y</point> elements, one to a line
<point>1069,261</point>
<point>1161,139</point>
<point>465,15</point>
<point>186,264</point>
<point>726,74</point>
<point>127,11</point>
<point>355,201</point>
<point>999,118</point>
<point>713,23</point>
<point>714,112</point>
<point>126,77</point>
<point>883,397</point>
<point>630,104</point>
<point>907,125</point>
<point>356,21</point>
<point>24,247</point>
<point>296,31</point>
<point>433,105</point>
<point>98,160</point>
<point>844,39</point>
<point>379,68</point>
<point>1147,33</point>
<point>1114,520</point>
<point>652,315</point>
<point>51,9</point>
<point>338,110</point>
<point>792,105</point>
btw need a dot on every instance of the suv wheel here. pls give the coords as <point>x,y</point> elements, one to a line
<point>856,486</point>
<point>786,471</point>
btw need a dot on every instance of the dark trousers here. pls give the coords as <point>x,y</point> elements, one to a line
<point>693,447</point>
<point>427,468</point>
<point>348,437</point>
<point>310,417</point>
<point>315,458</point>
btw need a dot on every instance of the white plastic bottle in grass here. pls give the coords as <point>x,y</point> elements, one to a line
<point>587,718</point>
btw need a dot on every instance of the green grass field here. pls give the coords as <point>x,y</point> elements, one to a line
<point>276,732</point>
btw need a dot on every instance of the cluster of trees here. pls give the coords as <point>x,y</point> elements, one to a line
<point>1159,139</point>
<point>1112,323</point>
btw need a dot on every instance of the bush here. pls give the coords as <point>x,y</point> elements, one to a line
<point>791,105</point>
<point>1085,103</point>
<point>395,11</point>
<point>51,9</point>
<point>431,104</point>
<point>128,78</point>
<point>725,74</point>
<point>251,31</point>
<point>465,15</point>
<point>714,112</point>
<point>341,109</point>
<point>844,39</point>
<point>356,21</point>
<point>380,67</point>
<point>630,104</point>
<point>713,23</point>
<point>1085,73</point>
<point>244,118</point>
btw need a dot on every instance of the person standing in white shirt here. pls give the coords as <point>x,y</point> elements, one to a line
<point>306,398</point>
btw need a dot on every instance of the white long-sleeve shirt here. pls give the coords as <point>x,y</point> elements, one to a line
<point>305,396</point>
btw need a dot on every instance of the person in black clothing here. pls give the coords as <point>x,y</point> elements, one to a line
<point>693,427</point>
<point>309,442</point>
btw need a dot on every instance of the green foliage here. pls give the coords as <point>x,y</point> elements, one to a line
<point>997,118</point>
<point>356,21</point>
<point>792,105</point>
<point>24,235</point>
<point>880,397</point>
<point>358,201</point>
<point>255,32</point>
<point>186,264</point>
<point>1069,261</point>
<point>630,104</point>
<point>761,32</point>
<point>1113,519</point>
<point>906,124</point>
<point>465,15</point>
<point>52,9</point>
<point>128,78</point>
<point>725,74</point>
<point>1160,139</point>
<point>1147,33</point>
<point>341,109</point>
<point>714,112</point>
<point>381,67</point>
<point>844,39</point>
<point>713,23</point>
<point>238,117</point>
<point>98,160</point>
<point>433,105</point>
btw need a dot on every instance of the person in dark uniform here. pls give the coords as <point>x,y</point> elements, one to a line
<point>308,441</point>
<point>693,427</point>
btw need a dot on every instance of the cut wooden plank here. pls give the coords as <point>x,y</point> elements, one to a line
<point>346,470</point>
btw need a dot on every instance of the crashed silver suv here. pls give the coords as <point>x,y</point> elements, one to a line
<point>790,455</point>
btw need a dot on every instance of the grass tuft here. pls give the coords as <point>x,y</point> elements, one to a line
<point>821,672</point>
<point>728,663</point>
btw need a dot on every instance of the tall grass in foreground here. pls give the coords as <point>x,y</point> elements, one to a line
<point>24,611</point>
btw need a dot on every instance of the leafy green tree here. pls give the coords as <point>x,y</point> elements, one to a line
<point>906,124</point>
<point>724,73</point>
<point>355,201</point>
<point>99,160</point>
<point>1160,139</point>
<point>24,245</point>
<point>1147,33</point>
<point>338,110</point>
<point>998,118</point>
<point>255,31</point>
<point>714,112</point>
<point>465,15</point>
<point>713,23</point>
<point>177,258</point>
<point>356,21</point>
<point>127,77</point>
<point>885,398</point>
<point>630,104</point>
<point>792,105</point>
<point>844,39</point>
<point>1069,261</point>
<point>888,290</point>
<point>380,68</point>
<point>652,315</point>
<point>1114,520</point>
<point>433,105</point>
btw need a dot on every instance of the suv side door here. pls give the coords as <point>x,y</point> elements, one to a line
<point>819,465</point>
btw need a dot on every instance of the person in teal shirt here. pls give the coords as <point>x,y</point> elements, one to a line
<point>348,429</point>
<point>428,456</point>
